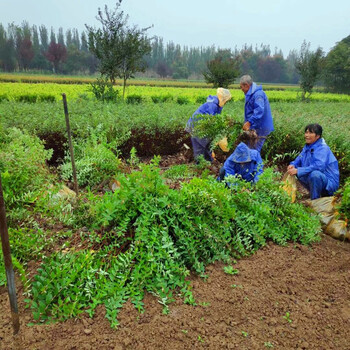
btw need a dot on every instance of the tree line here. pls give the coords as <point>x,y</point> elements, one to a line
<point>32,48</point>
<point>26,48</point>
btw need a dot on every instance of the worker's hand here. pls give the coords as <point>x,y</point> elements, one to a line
<point>246,126</point>
<point>291,170</point>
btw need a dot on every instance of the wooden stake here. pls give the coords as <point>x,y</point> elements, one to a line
<point>10,275</point>
<point>70,143</point>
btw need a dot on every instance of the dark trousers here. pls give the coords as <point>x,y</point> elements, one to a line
<point>201,147</point>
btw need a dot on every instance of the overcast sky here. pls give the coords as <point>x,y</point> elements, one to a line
<point>283,24</point>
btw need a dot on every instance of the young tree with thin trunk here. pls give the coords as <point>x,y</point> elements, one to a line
<point>309,66</point>
<point>119,48</point>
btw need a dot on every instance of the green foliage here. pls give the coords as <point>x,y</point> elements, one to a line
<point>222,70</point>
<point>120,49</point>
<point>161,98</point>
<point>47,98</point>
<point>94,159</point>
<point>3,97</point>
<point>23,168</point>
<point>309,66</point>
<point>132,99</point>
<point>103,90</point>
<point>181,100</point>
<point>150,236</point>
<point>344,206</point>
<point>28,98</point>
<point>337,67</point>
<point>218,126</point>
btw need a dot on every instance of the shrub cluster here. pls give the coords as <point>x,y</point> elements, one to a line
<point>149,237</point>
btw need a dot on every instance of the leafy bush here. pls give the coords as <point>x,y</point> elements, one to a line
<point>94,159</point>
<point>47,98</point>
<point>3,97</point>
<point>27,98</point>
<point>23,168</point>
<point>344,207</point>
<point>150,236</point>
<point>183,100</point>
<point>103,90</point>
<point>134,99</point>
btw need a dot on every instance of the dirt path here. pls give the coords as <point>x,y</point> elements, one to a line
<point>292,297</point>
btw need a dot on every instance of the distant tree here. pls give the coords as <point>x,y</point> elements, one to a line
<point>56,54</point>
<point>222,70</point>
<point>44,38</point>
<point>26,53</point>
<point>119,48</point>
<point>309,66</point>
<point>163,69</point>
<point>337,67</point>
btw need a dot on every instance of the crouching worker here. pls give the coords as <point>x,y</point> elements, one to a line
<point>316,166</point>
<point>213,106</point>
<point>245,162</point>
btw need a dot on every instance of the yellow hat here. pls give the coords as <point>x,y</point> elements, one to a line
<point>224,95</point>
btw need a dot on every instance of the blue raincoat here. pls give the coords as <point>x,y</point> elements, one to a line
<point>319,157</point>
<point>245,163</point>
<point>257,111</point>
<point>201,145</point>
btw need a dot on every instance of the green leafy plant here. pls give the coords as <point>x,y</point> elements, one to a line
<point>103,90</point>
<point>287,317</point>
<point>230,270</point>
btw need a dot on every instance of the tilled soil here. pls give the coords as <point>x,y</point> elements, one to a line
<point>292,297</point>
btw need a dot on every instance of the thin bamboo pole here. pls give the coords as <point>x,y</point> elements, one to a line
<point>70,143</point>
<point>10,275</point>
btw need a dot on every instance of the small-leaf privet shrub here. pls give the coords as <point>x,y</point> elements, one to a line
<point>23,167</point>
<point>103,90</point>
<point>182,100</point>
<point>344,206</point>
<point>134,99</point>
<point>94,159</point>
<point>150,236</point>
<point>216,127</point>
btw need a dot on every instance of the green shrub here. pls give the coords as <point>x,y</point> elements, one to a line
<point>103,90</point>
<point>134,99</point>
<point>183,100</point>
<point>47,98</point>
<point>160,234</point>
<point>94,160</point>
<point>27,98</point>
<point>344,206</point>
<point>156,98</point>
<point>4,98</point>
<point>23,168</point>
<point>201,99</point>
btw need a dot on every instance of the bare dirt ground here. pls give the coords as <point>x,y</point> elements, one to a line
<point>292,297</point>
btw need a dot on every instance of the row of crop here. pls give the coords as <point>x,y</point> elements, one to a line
<point>37,79</point>
<point>144,237</point>
<point>9,91</point>
<point>119,120</point>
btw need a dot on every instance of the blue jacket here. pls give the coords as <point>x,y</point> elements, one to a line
<point>211,107</point>
<point>244,162</point>
<point>257,110</point>
<point>318,156</point>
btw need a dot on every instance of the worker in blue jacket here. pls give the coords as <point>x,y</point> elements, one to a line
<point>316,166</point>
<point>257,112</point>
<point>245,162</point>
<point>213,106</point>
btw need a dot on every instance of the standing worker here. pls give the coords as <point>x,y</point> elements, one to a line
<point>213,106</point>
<point>257,112</point>
<point>316,166</point>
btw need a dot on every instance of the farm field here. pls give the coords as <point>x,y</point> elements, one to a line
<point>154,253</point>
